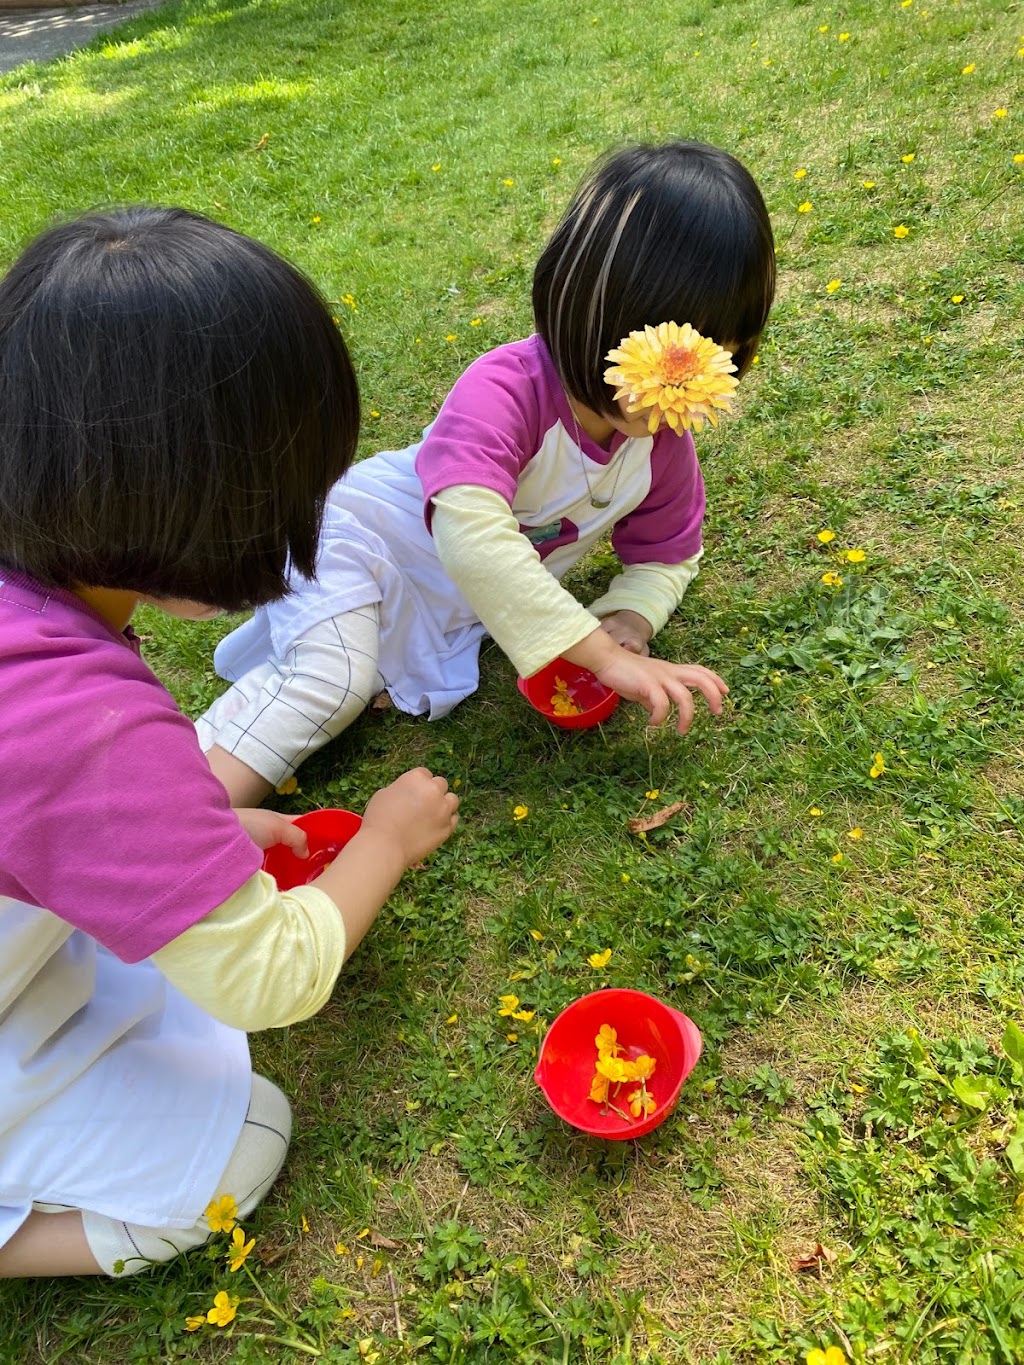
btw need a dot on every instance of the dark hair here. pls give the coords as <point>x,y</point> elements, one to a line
<point>671,233</point>
<point>175,403</point>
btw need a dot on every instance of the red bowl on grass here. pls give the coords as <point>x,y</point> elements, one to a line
<point>327,832</point>
<point>596,702</point>
<point>568,1057</point>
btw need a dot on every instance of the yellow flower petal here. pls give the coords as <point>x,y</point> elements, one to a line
<point>600,960</point>
<point>520,812</point>
<point>855,833</point>
<point>868,184</point>
<point>908,158</point>
<point>832,580</point>
<point>814,810</point>
<point>968,69</point>
<point>826,536</point>
<point>536,934</point>
<point>805,207</point>
<point>833,285</point>
<point>855,556</point>
<point>901,231</point>
<point>999,113</point>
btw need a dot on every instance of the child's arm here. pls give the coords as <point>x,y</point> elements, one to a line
<point>264,959</point>
<point>641,599</point>
<point>534,619</point>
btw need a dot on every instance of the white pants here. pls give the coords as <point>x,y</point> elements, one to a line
<point>127,1248</point>
<point>278,714</point>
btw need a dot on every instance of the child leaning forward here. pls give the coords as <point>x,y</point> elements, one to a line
<point>175,402</point>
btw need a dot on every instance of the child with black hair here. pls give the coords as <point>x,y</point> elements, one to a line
<point>534,457</point>
<point>175,403</point>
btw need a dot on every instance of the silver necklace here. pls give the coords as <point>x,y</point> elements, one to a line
<point>595,501</point>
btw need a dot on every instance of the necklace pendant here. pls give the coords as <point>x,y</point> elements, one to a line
<point>600,503</point>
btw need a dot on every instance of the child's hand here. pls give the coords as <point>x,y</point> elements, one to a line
<point>657,684</point>
<point>268,827</point>
<point>417,812</point>
<point>654,683</point>
<point>629,629</point>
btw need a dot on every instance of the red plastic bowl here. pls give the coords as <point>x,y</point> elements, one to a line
<point>596,702</point>
<point>327,831</point>
<point>643,1024</point>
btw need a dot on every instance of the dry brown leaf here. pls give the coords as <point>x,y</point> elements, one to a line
<point>377,1239</point>
<point>381,701</point>
<point>814,1260</point>
<point>640,824</point>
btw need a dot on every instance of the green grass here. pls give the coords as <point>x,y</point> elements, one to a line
<point>858,1087</point>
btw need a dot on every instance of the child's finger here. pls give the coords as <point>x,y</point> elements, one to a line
<point>710,689</point>
<point>658,706</point>
<point>293,837</point>
<point>684,706</point>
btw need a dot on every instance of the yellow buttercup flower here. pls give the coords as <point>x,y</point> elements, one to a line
<point>607,1041</point>
<point>799,175</point>
<point>641,1102</point>
<point>868,184</point>
<point>239,1249</point>
<point>826,536</point>
<point>537,935</point>
<point>956,298</point>
<point>614,1069</point>
<point>600,960</point>
<point>837,857</point>
<point>221,1213</point>
<point>968,69</point>
<point>908,158</point>
<point>901,231</point>
<point>855,833</point>
<point>855,556</point>
<point>599,1088</point>
<point>833,285</point>
<point>832,580</point>
<point>805,207</point>
<point>844,37</point>
<point>832,1355</point>
<point>653,794</point>
<point>194,1324</point>
<point>509,1004</point>
<point>682,377</point>
<point>878,767</point>
<point>814,810</point>
<point>223,1310</point>
<point>520,812</point>
<point>524,1016</point>
<point>999,113</point>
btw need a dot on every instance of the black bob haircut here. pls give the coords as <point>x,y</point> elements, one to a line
<point>676,232</point>
<point>175,403</point>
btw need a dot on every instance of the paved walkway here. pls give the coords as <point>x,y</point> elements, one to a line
<point>39,35</point>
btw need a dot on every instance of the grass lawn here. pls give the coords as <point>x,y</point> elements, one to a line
<point>844,1166</point>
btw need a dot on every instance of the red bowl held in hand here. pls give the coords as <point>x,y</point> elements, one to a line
<point>327,832</point>
<point>568,1057</point>
<point>596,702</point>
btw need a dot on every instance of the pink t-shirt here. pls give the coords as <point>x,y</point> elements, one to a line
<point>109,815</point>
<point>507,425</point>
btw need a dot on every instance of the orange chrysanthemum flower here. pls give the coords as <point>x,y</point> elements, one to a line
<point>682,377</point>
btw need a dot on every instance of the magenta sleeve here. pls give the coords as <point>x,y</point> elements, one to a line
<point>666,527</point>
<point>488,428</point>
